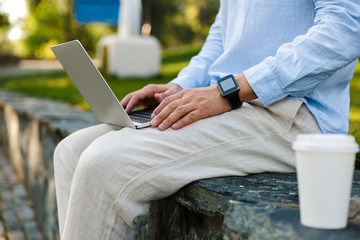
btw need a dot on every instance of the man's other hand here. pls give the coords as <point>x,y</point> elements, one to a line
<point>149,95</point>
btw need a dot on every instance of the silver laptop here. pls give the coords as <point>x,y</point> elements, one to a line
<point>93,87</point>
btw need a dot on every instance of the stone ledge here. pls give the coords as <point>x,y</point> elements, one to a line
<point>262,206</point>
<point>30,129</point>
<point>59,116</point>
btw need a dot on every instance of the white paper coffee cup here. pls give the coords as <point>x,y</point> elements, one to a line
<point>325,166</point>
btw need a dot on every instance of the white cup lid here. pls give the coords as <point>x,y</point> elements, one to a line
<point>325,143</point>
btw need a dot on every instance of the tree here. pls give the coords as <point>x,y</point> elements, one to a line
<point>174,22</point>
<point>181,21</point>
<point>4,28</point>
<point>51,22</point>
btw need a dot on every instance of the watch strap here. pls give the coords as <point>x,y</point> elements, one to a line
<point>234,99</point>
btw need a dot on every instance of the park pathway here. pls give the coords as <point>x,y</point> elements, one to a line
<point>17,218</point>
<point>25,67</point>
<point>29,67</point>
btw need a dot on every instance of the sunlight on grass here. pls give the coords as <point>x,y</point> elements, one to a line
<point>59,83</point>
<point>172,69</point>
<point>354,117</point>
<point>82,105</point>
<point>354,114</point>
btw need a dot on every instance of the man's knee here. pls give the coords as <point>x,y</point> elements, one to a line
<point>73,145</point>
<point>95,161</point>
<point>68,152</point>
<point>62,152</point>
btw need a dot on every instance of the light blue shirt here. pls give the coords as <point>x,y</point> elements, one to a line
<point>296,49</point>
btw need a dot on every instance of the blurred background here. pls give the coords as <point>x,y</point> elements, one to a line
<point>29,27</point>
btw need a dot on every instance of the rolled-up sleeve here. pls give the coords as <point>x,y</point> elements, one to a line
<point>298,67</point>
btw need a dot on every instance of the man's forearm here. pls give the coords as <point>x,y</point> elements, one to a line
<point>246,92</point>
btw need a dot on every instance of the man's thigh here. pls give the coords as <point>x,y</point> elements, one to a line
<point>252,129</point>
<point>73,145</point>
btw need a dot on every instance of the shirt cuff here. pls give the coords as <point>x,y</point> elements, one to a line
<point>264,83</point>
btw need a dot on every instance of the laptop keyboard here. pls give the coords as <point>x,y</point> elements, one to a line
<point>141,116</point>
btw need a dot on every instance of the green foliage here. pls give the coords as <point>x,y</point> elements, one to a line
<point>174,23</point>
<point>51,22</point>
<point>40,28</point>
<point>32,4</point>
<point>182,21</point>
<point>4,27</point>
<point>354,118</point>
<point>4,21</point>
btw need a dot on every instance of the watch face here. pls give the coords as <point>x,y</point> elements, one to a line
<point>227,85</point>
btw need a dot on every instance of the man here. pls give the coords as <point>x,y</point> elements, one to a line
<point>293,61</point>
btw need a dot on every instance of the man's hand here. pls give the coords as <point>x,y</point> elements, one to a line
<point>149,95</point>
<point>188,106</point>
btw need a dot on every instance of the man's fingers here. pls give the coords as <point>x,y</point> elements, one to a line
<point>170,100</point>
<point>189,118</point>
<point>133,99</point>
<point>159,97</point>
<point>174,115</point>
<point>132,102</point>
<point>125,100</point>
<point>167,106</point>
<point>148,94</point>
<point>170,91</point>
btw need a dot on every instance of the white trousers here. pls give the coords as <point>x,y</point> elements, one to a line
<point>105,177</point>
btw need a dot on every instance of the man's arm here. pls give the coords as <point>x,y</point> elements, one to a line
<point>299,66</point>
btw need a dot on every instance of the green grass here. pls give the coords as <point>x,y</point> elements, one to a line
<point>57,85</point>
<point>354,118</point>
<point>355,102</point>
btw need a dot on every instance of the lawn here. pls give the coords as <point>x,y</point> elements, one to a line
<point>57,85</point>
<point>354,117</point>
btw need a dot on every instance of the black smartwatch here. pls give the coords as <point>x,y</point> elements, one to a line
<point>229,89</point>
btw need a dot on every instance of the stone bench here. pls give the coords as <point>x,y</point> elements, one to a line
<point>30,129</point>
<point>262,206</point>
